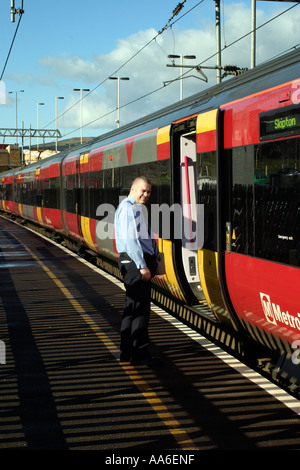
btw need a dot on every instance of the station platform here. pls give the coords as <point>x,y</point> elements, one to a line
<point>63,387</point>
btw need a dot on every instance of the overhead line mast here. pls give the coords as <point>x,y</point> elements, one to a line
<point>13,11</point>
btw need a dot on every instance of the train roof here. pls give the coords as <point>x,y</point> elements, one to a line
<point>272,73</point>
<point>35,165</point>
<point>267,75</point>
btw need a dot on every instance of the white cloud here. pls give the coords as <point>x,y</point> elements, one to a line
<point>147,70</point>
<point>272,39</point>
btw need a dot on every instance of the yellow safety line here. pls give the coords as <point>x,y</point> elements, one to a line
<point>154,401</point>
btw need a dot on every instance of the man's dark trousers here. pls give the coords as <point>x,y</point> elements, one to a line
<point>136,314</point>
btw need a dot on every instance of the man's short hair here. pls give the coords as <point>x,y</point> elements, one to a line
<point>140,178</point>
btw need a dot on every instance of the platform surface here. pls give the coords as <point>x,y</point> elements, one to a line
<point>63,387</point>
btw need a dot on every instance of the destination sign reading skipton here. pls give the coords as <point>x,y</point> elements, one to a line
<point>282,122</point>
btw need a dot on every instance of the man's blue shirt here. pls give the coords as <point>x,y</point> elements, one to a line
<point>131,232</point>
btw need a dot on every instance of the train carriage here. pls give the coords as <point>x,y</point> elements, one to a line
<point>34,193</point>
<point>262,211</point>
<point>229,159</point>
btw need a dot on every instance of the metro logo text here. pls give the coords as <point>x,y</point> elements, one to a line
<point>275,315</point>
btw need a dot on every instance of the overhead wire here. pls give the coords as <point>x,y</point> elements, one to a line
<point>248,34</point>
<point>174,13</point>
<point>13,40</point>
<point>168,25</point>
<point>199,65</point>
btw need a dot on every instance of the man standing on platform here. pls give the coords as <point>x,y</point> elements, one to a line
<point>137,263</point>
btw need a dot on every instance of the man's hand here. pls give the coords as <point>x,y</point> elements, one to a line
<point>146,274</point>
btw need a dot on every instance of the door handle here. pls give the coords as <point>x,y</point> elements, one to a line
<point>228,237</point>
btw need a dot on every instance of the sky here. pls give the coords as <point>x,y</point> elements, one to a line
<point>66,44</point>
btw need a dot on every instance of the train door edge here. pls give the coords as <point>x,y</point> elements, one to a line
<point>185,195</point>
<point>224,185</point>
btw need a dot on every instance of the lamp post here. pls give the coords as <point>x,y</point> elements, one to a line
<point>16,92</point>
<point>181,57</point>
<point>118,102</point>
<point>37,139</point>
<point>56,99</point>
<point>81,108</point>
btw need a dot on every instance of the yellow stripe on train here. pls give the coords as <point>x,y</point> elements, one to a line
<point>84,158</point>
<point>86,232</point>
<point>209,278</point>
<point>165,246</point>
<point>207,121</point>
<point>39,215</point>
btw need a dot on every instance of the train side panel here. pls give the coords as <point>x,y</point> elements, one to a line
<point>261,228</point>
<point>49,180</point>
<point>95,180</point>
<point>70,190</point>
<point>239,159</point>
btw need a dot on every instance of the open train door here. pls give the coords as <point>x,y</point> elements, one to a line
<point>192,213</point>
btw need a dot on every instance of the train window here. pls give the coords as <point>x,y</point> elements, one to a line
<point>157,172</point>
<point>17,192</point>
<point>6,192</point>
<point>83,192</point>
<point>242,199</point>
<point>39,196</point>
<point>3,196</point>
<point>277,201</point>
<point>265,200</point>
<point>45,192</point>
<point>95,191</point>
<point>128,174</point>
<point>9,192</point>
<point>164,182</point>
<point>107,186</point>
<point>54,193</point>
<point>159,175</point>
<point>70,193</point>
<point>31,192</point>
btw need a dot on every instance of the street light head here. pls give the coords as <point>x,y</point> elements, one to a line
<point>119,78</point>
<point>189,57</point>
<point>173,56</point>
